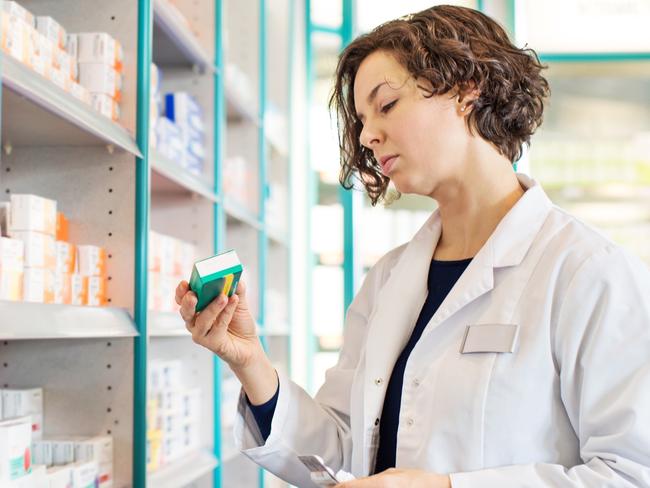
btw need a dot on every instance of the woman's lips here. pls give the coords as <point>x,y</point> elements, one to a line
<point>387,166</point>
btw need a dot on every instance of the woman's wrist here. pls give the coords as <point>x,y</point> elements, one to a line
<point>258,378</point>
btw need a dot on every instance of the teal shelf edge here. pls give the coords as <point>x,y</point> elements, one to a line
<point>142,208</point>
<point>579,57</point>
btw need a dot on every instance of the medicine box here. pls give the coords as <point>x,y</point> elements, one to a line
<point>101,78</point>
<point>32,213</point>
<point>15,449</point>
<point>66,257</point>
<point>62,288</point>
<point>105,105</point>
<point>60,476</point>
<point>79,289</point>
<point>96,291</point>
<point>92,260</point>
<point>52,30</point>
<point>22,402</point>
<point>38,285</point>
<point>12,253</point>
<point>96,47</point>
<point>17,10</point>
<point>11,285</point>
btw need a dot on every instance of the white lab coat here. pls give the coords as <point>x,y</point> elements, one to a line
<point>570,407</point>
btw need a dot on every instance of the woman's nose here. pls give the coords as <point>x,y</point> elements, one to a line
<point>369,136</point>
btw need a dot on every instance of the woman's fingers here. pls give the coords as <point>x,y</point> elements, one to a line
<point>188,306</point>
<point>224,318</point>
<point>209,314</point>
<point>182,288</point>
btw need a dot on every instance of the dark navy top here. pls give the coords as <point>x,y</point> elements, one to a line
<point>443,275</point>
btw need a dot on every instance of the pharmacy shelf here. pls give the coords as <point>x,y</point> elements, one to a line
<point>36,112</point>
<point>184,471</point>
<point>169,177</point>
<point>280,330</point>
<point>238,109</point>
<point>166,324</point>
<point>236,211</point>
<point>277,235</point>
<point>174,42</point>
<point>22,321</point>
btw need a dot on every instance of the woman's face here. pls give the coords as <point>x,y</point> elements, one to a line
<point>419,142</point>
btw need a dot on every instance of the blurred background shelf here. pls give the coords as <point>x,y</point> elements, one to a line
<point>47,321</point>
<point>170,178</point>
<point>184,471</point>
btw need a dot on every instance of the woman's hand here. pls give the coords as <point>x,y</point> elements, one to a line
<point>400,478</point>
<point>225,326</point>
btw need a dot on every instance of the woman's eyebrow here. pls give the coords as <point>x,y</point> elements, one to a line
<point>372,96</point>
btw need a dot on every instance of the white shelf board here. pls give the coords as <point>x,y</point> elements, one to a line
<point>36,112</point>
<point>169,177</point>
<point>167,324</point>
<point>278,236</point>
<point>184,471</point>
<point>174,42</point>
<point>238,212</point>
<point>21,320</point>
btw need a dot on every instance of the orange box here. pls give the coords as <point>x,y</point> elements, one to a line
<point>62,227</point>
<point>96,291</point>
<point>11,284</point>
<point>38,285</point>
<point>62,288</point>
<point>78,289</point>
<point>91,261</point>
<point>66,254</point>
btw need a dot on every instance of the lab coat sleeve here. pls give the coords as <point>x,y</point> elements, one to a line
<point>303,425</point>
<point>602,345</point>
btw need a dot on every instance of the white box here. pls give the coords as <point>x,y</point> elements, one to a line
<point>15,40</point>
<point>31,212</point>
<point>52,30</point>
<point>60,476</point>
<point>101,78</point>
<point>39,249</point>
<point>97,47</point>
<point>191,404</point>
<point>63,61</point>
<point>36,479</point>
<point>12,254</point>
<point>165,375</point>
<point>98,449</point>
<point>17,10</point>
<point>80,93</point>
<point>42,452</point>
<point>15,449</point>
<point>105,105</point>
<point>11,285</point>
<point>38,285</point>
<point>25,402</point>
<point>84,474</point>
<point>91,260</point>
<point>63,449</point>
<point>170,401</point>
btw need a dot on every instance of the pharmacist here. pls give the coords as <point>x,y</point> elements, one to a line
<point>507,344</point>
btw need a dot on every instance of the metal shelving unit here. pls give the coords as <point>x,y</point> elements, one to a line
<point>114,187</point>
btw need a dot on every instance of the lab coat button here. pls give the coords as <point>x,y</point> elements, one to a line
<point>379,381</point>
<point>410,421</point>
<point>416,382</point>
<point>376,421</point>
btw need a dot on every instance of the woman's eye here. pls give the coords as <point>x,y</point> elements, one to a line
<point>388,106</point>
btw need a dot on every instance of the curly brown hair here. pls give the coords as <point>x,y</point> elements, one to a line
<point>456,50</point>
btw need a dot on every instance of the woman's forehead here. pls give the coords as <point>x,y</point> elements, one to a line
<point>377,67</point>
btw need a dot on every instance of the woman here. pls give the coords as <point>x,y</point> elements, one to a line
<point>507,344</point>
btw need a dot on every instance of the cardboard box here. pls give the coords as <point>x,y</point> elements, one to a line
<point>40,249</point>
<point>60,476</point>
<point>52,30</point>
<point>165,375</point>
<point>62,288</point>
<point>11,285</point>
<point>14,38</point>
<point>79,289</point>
<point>38,285</point>
<point>81,93</point>
<point>63,61</point>
<point>22,403</point>
<point>62,449</point>
<point>96,291</point>
<point>33,213</point>
<point>12,253</point>
<point>97,47</point>
<point>92,260</point>
<point>99,450</point>
<point>42,453</point>
<point>105,105</point>
<point>60,78</point>
<point>15,449</point>
<point>101,78</point>
<point>85,474</point>
<point>66,257</point>
<point>17,10</point>
<point>36,479</point>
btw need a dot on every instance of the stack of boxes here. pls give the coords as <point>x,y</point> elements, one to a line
<point>176,124</point>
<point>37,261</point>
<point>173,415</point>
<point>28,460</point>
<point>170,261</point>
<point>87,65</point>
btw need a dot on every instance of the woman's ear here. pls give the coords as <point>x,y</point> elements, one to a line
<point>465,97</point>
